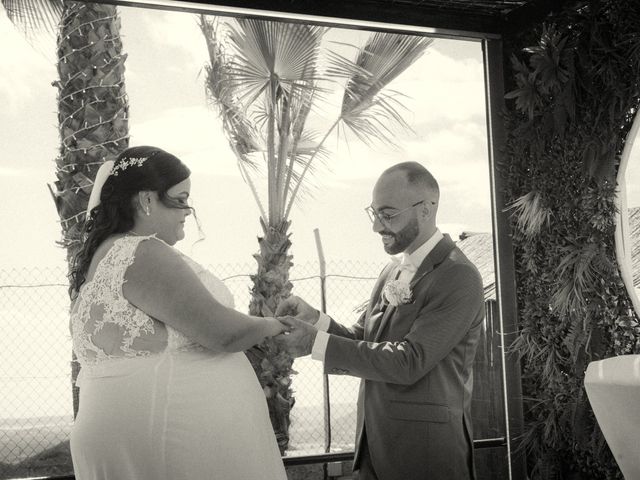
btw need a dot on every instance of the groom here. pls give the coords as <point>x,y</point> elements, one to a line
<point>413,347</point>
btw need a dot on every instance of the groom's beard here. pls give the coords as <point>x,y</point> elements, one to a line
<point>401,239</point>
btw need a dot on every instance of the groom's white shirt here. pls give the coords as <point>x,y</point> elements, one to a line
<point>416,259</point>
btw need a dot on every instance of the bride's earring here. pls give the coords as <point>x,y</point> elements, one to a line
<point>142,202</point>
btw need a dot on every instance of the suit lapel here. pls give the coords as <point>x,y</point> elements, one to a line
<point>383,321</point>
<point>373,316</point>
<point>435,257</point>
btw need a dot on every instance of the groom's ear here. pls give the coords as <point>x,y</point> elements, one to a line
<point>425,210</point>
<point>429,208</point>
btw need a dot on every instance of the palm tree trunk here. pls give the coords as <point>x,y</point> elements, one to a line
<point>92,114</point>
<point>272,365</point>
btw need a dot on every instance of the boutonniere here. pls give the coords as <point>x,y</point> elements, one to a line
<point>397,292</point>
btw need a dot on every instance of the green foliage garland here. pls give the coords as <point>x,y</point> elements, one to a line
<point>570,106</point>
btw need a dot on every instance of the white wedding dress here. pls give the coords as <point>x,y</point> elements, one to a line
<point>155,405</point>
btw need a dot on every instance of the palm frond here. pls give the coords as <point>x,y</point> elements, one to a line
<point>576,273</point>
<point>241,133</point>
<point>384,57</point>
<point>530,213</point>
<point>308,148</point>
<point>264,86</point>
<point>301,104</point>
<point>342,67</point>
<point>242,166</point>
<point>367,110</point>
<point>374,121</point>
<point>268,80</point>
<point>578,336</point>
<point>268,51</point>
<point>33,16</point>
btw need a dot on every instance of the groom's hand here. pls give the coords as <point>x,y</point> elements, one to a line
<point>299,308</point>
<point>299,341</point>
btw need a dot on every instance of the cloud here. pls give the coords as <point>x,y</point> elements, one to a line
<point>192,133</point>
<point>13,172</point>
<point>42,173</point>
<point>457,155</point>
<point>444,88</point>
<point>23,68</point>
<point>454,152</point>
<point>443,93</point>
<point>445,107</point>
<point>176,31</point>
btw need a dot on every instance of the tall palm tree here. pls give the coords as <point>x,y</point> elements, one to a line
<point>92,104</point>
<point>265,78</point>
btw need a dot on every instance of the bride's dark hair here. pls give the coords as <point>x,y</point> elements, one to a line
<point>116,211</point>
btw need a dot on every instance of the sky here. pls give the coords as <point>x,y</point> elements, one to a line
<point>168,108</point>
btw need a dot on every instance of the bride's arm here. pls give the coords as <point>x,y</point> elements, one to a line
<point>161,284</point>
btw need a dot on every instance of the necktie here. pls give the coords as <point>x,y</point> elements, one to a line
<point>406,265</point>
<point>406,269</point>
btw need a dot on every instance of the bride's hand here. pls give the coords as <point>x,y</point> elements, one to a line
<point>276,327</point>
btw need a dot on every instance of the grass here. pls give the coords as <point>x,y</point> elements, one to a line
<point>50,462</point>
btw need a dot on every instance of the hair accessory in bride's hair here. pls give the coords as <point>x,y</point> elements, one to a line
<point>106,169</point>
<point>124,164</point>
<point>101,176</point>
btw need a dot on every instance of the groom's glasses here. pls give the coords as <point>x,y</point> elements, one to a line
<point>386,218</point>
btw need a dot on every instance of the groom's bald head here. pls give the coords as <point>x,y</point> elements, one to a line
<point>418,178</point>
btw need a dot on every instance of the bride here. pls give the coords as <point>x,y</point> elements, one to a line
<point>165,390</point>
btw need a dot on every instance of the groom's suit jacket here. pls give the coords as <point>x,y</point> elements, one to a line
<point>415,361</point>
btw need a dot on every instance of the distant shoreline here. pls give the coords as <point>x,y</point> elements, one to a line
<point>29,423</point>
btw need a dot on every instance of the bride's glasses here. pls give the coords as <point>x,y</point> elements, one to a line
<point>179,202</point>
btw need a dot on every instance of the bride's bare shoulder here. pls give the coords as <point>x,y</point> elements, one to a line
<point>158,276</point>
<point>154,258</point>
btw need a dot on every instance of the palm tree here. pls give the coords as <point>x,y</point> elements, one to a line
<point>92,104</point>
<point>265,78</point>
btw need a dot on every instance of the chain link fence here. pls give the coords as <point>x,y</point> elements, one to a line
<point>36,410</point>
<point>36,407</point>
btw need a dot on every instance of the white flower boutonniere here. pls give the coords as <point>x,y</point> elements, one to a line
<point>397,292</point>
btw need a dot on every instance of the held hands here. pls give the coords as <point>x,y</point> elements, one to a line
<point>298,341</point>
<point>285,321</point>
<point>277,326</point>
<point>299,308</point>
<point>301,334</point>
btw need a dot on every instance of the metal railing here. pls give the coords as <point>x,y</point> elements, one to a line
<point>35,386</point>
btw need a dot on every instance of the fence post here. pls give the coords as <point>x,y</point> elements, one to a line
<point>325,377</point>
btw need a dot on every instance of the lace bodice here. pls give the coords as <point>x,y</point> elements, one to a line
<point>105,326</point>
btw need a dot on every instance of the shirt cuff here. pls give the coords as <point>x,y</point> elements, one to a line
<point>323,322</point>
<point>320,345</point>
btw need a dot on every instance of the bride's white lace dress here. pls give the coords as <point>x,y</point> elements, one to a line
<point>155,405</point>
